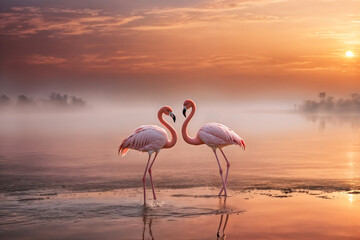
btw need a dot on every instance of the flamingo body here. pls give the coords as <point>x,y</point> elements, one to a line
<point>150,139</point>
<point>217,135</point>
<point>147,138</point>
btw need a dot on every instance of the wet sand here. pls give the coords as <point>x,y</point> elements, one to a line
<point>195,213</point>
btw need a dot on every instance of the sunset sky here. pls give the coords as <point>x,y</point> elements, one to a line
<point>266,48</point>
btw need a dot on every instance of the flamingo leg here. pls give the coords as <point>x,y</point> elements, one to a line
<point>227,170</point>
<point>152,185</point>
<point>144,221</point>
<point>226,220</point>
<point>143,179</point>
<point>218,231</point>
<point>221,172</point>
<point>151,234</point>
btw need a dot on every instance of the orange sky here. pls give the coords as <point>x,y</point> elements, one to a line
<point>239,47</point>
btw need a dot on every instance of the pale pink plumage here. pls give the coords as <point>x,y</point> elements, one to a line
<point>150,138</point>
<point>217,135</point>
<point>147,138</point>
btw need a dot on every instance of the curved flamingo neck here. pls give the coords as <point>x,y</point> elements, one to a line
<point>190,140</point>
<point>171,143</point>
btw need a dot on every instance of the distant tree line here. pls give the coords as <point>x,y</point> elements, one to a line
<point>65,100</point>
<point>55,99</point>
<point>4,99</point>
<point>330,104</point>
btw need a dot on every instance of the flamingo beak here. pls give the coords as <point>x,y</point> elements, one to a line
<point>184,111</point>
<point>173,116</point>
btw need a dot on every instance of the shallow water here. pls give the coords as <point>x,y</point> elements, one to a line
<point>181,214</point>
<point>62,171</point>
<point>78,150</point>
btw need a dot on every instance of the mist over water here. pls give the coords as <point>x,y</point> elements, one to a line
<point>59,168</point>
<point>78,149</point>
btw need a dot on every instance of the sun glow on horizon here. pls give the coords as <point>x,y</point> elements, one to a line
<point>349,54</point>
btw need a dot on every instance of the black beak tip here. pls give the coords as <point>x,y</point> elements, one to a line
<point>184,112</point>
<point>174,118</point>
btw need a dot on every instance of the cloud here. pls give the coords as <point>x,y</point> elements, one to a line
<point>124,62</point>
<point>350,39</point>
<point>215,6</point>
<point>40,59</point>
<point>143,63</point>
<point>333,34</point>
<point>202,20</point>
<point>345,29</point>
<point>119,61</point>
<point>218,11</point>
<point>26,21</point>
<point>219,37</point>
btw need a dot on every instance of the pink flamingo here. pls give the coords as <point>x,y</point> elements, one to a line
<point>150,138</point>
<point>215,135</point>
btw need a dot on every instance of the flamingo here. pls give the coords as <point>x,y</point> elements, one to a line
<point>150,139</point>
<point>215,135</point>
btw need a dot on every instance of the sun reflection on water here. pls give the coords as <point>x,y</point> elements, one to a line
<point>351,164</point>
<point>351,198</point>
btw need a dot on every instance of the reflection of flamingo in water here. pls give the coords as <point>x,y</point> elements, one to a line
<point>147,222</point>
<point>215,135</point>
<point>225,223</point>
<point>150,139</point>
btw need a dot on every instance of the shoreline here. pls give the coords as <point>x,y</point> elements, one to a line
<point>177,213</point>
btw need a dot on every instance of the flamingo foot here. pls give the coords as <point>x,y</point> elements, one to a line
<point>157,203</point>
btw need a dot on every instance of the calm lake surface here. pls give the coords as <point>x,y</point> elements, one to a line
<point>298,178</point>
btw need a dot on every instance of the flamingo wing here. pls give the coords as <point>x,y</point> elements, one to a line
<point>145,138</point>
<point>219,135</point>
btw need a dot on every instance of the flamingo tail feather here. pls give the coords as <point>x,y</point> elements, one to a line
<point>122,149</point>
<point>243,144</point>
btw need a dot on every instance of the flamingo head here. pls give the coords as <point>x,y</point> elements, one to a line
<point>168,111</point>
<point>188,104</point>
